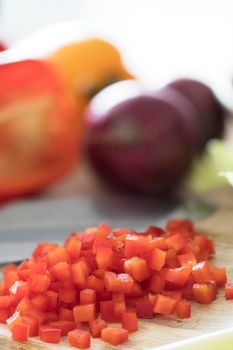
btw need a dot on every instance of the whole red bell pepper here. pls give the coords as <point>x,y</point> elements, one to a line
<point>37,128</point>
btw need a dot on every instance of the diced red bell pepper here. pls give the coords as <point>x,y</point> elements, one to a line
<point>79,274</point>
<point>135,245</point>
<point>160,243</point>
<point>95,283</point>
<point>96,327</point>
<point>103,230</point>
<point>118,283</point>
<point>39,283</point>
<point>164,305</point>
<point>49,334</point>
<point>130,321</point>
<point>90,258</point>
<point>183,309</point>
<point>156,283</point>
<point>87,296</point>
<point>51,316</point>
<point>20,331</point>
<point>176,241</point>
<point>52,298</point>
<point>156,259</point>
<point>136,290</point>
<point>84,313</point>
<point>202,272</point>
<point>119,305</point>
<point>229,291</point>
<point>114,336</point>
<point>104,257</point>
<point>67,295</point>
<point>177,277</point>
<point>4,315</point>
<point>20,289</point>
<point>64,325</point>
<point>204,293</point>
<point>73,248</point>
<point>219,274</point>
<point>38,268</point>
<point>61,271</point>
<point>187,259</point>
<point>40,301</point>
<point>144,308</point>
<point>6,301</point>
<point>107,310</point>
<point>137,268</point>
<point>65,314</point>
<point>33,325</point>
<point>57,255</point>
<point>79,338</point>
<point>179,224</point>
<point>154,231</point>
<point>173,294</point>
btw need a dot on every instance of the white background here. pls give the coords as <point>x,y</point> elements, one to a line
<point>160,39</point>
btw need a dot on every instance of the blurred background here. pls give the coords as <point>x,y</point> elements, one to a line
<point>114,98</point>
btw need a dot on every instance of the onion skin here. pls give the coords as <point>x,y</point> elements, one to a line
<point>140,143</point>
<point>210,111</point>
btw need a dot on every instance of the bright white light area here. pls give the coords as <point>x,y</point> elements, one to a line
<point>160,39</point>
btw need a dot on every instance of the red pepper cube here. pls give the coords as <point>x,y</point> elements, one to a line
<point>20,290</point>
<point>156,259</point>
<point>119,305</point>
<point>96,327</point>
<point>154,231</point>
<point>67,295</point>
<point>38,268</point>
<point>59,254</point>
<point>202,272</point>
<point>202,241</point>
<point>6,301</point>
<point>95,283</point>
<point>177,277</point>
<point>65,314</point>
<point>12,320</point>
<point>90,258</point>
<point>137,268</point>
<point>33,325</point>
<point>136,245</point>
<point>79,338</point>
<point>39,283</point>
<point>156,283</point>
<point>61,271</point>
<point>40,301</point>
<point>103,230</point>
<point>164,305</point>
<point>183,309</point>
<point>73,247</point>
<point>50,334</point>
<point>160,243</point>
<point>130,321</point>
<point>219,274</point>
<point>187,259</point>
<point>51,316</point>
<point>79,274</point>
<point>107,310</point>
<point>204,293</point>
<point>176,241</point>
<point>179,224</point>
<point>20,332</point>
<point>64,325</point>
<point>84,313</point>
<point>87,296</point>
<point>136,290</point>
<point>114,336</point>
<point>229,291</point>
<point>104,257</point>
<point>52,298</point>
<point>144,308</point>
<point>4,315</point>
<point>173,294</point>
<point>99,243</point>
<point>119,283</point>
<point>10,277</point>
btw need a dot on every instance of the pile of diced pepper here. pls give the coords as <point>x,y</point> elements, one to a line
<point>103,276</point>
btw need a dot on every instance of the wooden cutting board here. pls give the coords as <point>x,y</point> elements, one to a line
<point>161,330</point>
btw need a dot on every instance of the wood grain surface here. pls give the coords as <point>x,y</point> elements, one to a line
<point>161,330</point>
